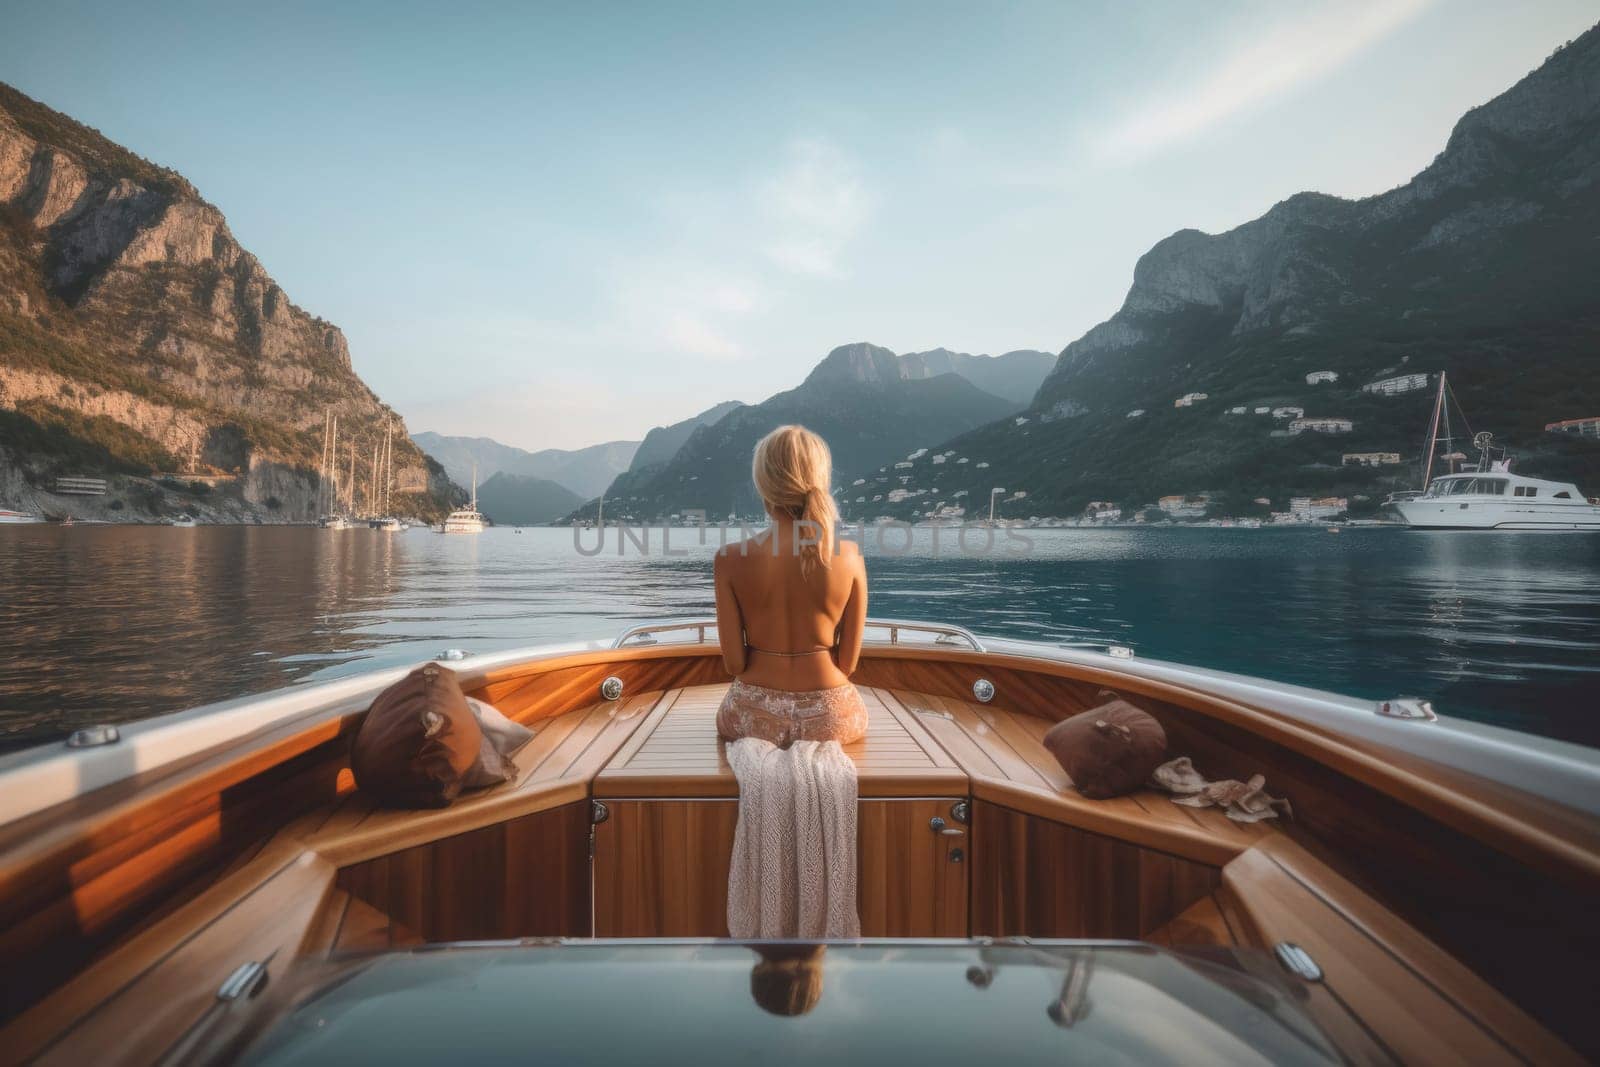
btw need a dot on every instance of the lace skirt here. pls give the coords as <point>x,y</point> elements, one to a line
<point>782,717</point>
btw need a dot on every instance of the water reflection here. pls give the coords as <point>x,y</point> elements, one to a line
<point>118,623</point>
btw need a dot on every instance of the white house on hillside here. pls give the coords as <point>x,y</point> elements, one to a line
<point>1188,400</point>
<point>1317,377</point>
<point>1405,383</point>
<point>1321,425</point>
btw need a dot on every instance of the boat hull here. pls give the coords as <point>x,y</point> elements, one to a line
<point>1448,514</point>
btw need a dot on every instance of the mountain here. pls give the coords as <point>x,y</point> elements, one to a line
<point>663,442</point>
<point>870,406</point>
<point>1483,265</point>
<point>584,471</point>
<point>1014,376</point>
<point>520,500</point>
<point>136,335</point>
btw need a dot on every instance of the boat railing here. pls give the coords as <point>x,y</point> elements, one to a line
<point>942,633</point>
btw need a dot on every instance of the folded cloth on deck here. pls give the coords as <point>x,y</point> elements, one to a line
<point>1242,801</point>
<point>794,851</point>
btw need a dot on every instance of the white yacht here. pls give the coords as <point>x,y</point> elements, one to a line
<point>1485,495</point>
<point>469,519</point>
<point>1498,500</point>
<point>388,524</point>
<point>13,518</point>
<point>335,522</point>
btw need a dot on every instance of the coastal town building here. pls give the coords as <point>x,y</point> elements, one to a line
<point>1317,377</point>
<point>1102,511</point>
<point>1321,425</point>
<point>1288,413</point>
<point>1182,506</point>
<point>1237,411</point>
<point>1371,459</point>
<point>1405,383</point>
<point>1135,413</point>
<point>1307,509</point>
<point>81,486</point>
<point>1581,427</point>
<point>1188,400</point>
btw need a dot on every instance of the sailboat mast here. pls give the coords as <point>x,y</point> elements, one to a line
<point>322,471</point>
<point>388,465</point>
<point>350,490</point>
<point>1433,434</point>
<point>333,485</point>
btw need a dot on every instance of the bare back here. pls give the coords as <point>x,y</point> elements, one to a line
<point>782,628</point>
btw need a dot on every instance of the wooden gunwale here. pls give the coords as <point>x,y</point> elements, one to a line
<point>49,858</point>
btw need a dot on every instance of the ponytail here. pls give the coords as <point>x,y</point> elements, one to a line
<point>820,513</point>
<point>793,472</point>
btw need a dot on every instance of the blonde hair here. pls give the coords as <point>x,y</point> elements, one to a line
<point>793,472</point>
<point>788,980</point>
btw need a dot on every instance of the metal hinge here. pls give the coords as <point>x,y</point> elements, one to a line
<point>245,981</point>
<point>598,812</point>
<point>1297,961</point>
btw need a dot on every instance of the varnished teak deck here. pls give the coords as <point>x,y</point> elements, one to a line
<point>289,898</point>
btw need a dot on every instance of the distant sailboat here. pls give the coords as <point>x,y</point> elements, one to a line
<point>468,519</point>
<point>384,517</point>
<point>328,511</point>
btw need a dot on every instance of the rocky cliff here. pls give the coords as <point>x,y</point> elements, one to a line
<point>1483,265</point>
<point>137,335</point>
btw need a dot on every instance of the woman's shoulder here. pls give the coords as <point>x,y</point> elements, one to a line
<point>734,551</point>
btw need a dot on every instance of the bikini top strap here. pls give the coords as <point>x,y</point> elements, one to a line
<point>774,652</point>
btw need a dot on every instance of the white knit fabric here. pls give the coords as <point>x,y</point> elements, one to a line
<point>794,852</point>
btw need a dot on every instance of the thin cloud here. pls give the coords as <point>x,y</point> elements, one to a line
<point>1285,57</point>
<point>693,336</point>
<point>816,205</point>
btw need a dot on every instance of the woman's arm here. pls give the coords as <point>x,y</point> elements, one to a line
<point>730,620</point>
<point>853,623</point>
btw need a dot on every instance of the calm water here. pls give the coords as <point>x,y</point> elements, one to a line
<point>118,623</point>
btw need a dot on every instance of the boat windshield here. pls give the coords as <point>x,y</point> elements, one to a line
<point>930,1004</point>
<point>1469,487</point>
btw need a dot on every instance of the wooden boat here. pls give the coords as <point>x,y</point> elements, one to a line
<point>195,886</point>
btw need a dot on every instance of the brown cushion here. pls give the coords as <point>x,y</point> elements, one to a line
<point>1109,750</point>
<point>417,741</point>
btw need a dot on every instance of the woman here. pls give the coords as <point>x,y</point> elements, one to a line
<point>792,606</point>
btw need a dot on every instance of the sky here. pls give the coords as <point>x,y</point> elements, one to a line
<point>559,224</point>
